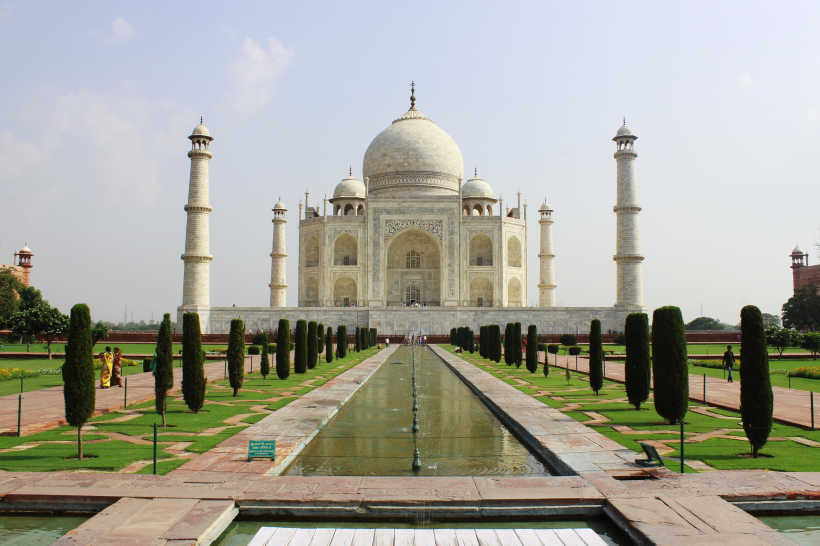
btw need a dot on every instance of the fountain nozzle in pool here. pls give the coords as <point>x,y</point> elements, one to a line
<point>416,461</point>
<point>415,425</point>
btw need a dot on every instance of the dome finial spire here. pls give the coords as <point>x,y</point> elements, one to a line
<point>413,95</point>
<point>624,121</point>
<point>200,120</point>
<point>351,170</point>
<point>475,171</point>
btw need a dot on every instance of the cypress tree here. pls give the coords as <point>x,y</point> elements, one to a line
<point>471,340</point>
<point>496,338</point>
<point>374,337</point>
<point>264,363</point>
<point>756,401</point>
<point>596,357</point>
<point>320,339</point>
<point>519,345</point>
<point>79,392</point>
<point>453,337</point>
<point>532,348</point>
<point>193,372</point>
<point>342,340</point>
<point>312,344</point>
<point>638,361</point>
<point>236,355</point>
<point>329,345</point>
<point>671,370</point>
<point>283,349</point>
<point>164,371</point>
<point>300,355</point>
<point>508,346</point>
<point>358,343</point>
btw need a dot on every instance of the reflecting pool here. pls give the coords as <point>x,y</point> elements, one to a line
<point>801,529</point>
<point>22,530</point>
<point>458,435</point>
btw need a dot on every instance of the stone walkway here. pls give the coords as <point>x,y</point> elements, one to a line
<point>44,409</point>
<point>790,405</point>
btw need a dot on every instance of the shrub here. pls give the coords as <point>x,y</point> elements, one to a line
<point>542,347</point>
<point>568,339</point>
<point>714,364</point>
<point>552,348</point>
<point>374,337</point>
<point>756,400</point>
<point>575,350</point>
<point>236,355</point>
<point>193,372</point>
<point>781,339</point>
<point>258,339</point>
<point>254,350</point>
<point>357,340</point>
<point>495,337</point>
<point>146,364</point>
<point>671,373</point>
<point>342,340</point>
<point>453,341</point>
<point>79,391</point>
<point>312,344</point>
<point>329,345</point>
<point>320,339</point>
<point>300,355</point>
<point>164,369</point>
<point>283,349</point>
<point>596,357</point>
<point>264,363</point>
<point>638,361</point>
<point>508,344</point>
<point>532,348</point>
<point>471,341</point>
<point>620,339</point>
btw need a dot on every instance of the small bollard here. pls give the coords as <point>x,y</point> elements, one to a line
<point>155,448</point>
<point>704,388</point>
<point>790,380</point>
<point>125,395</point>
<point>226,370</point>
<point>19,412</point>
<point>682,469</point>
<point>21,384</point>
<point>812,409</point>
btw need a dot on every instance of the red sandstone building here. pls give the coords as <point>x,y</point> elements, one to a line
<point>802,273</point>
<point>22,269</point>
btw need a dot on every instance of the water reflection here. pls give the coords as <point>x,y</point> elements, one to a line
<point>458,435</point>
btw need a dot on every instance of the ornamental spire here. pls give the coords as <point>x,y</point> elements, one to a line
<point>413,95</point>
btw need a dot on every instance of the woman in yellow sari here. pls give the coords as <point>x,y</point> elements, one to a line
<point>105,373</point>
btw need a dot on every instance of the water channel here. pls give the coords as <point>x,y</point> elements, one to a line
<point>458,435</point>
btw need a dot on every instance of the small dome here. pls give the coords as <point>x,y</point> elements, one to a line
<point>624,131</point>
<point>545,207</point>
<point>280,205</point>
<point>201,130</point>
<point>797,250</point>
<point>350,187</point>
<point>25,249</point>
<point>476,188</point>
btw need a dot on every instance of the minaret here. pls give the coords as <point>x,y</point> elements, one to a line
<point>278,255</point>
<point>546,255</point>
<point>628,257</point>
<point>196,288</point>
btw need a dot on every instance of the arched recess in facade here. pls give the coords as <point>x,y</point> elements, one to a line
<point>481,250</point>
<point>345,291</point>
<point>514,293</point>
<point>345,250</point>
<point>413,259</point>
<point>513,252</point>
<point>312,252</point>
<point>481,292</point>
<point>311,292</point>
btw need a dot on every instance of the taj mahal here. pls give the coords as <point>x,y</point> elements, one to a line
<point>413,247</point>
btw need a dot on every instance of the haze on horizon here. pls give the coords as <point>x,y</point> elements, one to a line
<point>99,100</point>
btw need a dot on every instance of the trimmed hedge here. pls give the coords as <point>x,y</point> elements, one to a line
<point>79,389</point>
<point>567,340</point>
<point>532,348</point>
<point>809,372</point>
<point>236,355</point>
<point>575,350</point>
<point>312,344</point>
<point>193,372</point>
<point>596,357</point>
<point>283,349</point>
<point>671,372</point>
<point>164,372</point>
<point>756,399</point>
<point>519,345</point>
<point>254,350</point>
<point>342,340</point>
<point>329,345</point>
<point>300,355</point>
<point>638,361</point>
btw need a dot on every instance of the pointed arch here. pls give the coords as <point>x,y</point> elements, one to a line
<point>513,252</point>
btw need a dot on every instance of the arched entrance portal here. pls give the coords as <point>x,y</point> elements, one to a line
<point>344,291</point>
<point>413,273</point>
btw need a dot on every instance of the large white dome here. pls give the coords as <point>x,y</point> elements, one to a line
<point>413,156</point>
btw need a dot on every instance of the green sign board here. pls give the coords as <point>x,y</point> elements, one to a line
<point>262,449</point>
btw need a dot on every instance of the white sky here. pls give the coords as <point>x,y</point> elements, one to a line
<point>98,99</point>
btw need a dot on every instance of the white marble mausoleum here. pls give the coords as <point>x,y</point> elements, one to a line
<point>413,247</point>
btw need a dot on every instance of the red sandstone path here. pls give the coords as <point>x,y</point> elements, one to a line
<point>790,405</point>
<point>44,409</point>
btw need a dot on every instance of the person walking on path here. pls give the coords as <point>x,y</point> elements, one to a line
<point>105,371</point>
<point>154,364</point>
<point>116,370</point>
<point>729,361</point>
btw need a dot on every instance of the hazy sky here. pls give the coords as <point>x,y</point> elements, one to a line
<point>97,100</point>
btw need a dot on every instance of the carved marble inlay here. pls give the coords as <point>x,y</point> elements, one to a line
<point>394,227</point>
<point>490,275</point>
<point>353,275</point>
<point>488,232</point>
<point>336,232</point>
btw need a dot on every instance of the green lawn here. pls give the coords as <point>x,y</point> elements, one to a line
<point>710,349</point>
<point>44,381</point>
<point>713,439</point>
<point>126,348</point>
<point>778,380</point>
<point>223,416</point>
